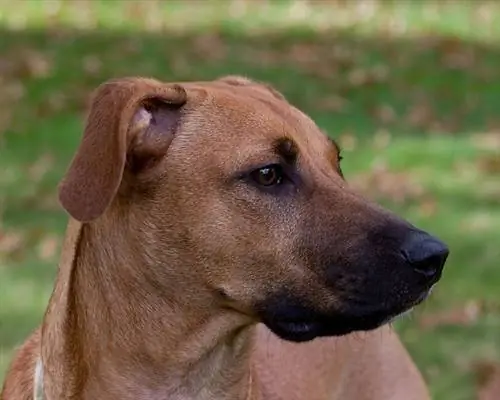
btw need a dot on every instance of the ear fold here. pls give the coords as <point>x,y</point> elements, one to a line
<point>130,120</point>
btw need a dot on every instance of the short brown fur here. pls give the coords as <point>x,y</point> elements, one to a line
<point>172,258</point>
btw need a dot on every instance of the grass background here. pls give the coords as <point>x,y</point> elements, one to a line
<point>409,89</point>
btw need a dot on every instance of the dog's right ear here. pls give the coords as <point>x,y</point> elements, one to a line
<point>131,121</point>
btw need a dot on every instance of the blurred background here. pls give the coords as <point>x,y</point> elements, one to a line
<point>410,89</point>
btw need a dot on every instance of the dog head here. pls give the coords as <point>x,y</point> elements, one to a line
<point>236,194</point>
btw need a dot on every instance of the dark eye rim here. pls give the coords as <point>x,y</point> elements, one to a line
<point>280,175</point>
<point>289,183</point>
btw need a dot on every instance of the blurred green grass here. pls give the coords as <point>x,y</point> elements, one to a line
<point>409,89</point>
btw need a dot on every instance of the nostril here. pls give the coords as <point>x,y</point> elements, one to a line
<point>430,266</point>
<point>425,254</point>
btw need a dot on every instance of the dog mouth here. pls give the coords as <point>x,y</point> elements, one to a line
<point>303,330</point>
<point>299,324</point>
<point>295,331</point>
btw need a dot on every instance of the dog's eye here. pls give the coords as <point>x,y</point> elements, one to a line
<point>270,175</point>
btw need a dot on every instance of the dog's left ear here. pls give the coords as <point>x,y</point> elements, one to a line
<point>131,123</point>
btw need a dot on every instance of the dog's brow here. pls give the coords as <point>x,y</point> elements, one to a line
<point>335,145</point>
<point>286,149</point>
<point>334,151</point>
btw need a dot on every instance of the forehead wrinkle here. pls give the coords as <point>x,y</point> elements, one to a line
<point>333,151</point>
<point>270,119</point>
<point>310,144</point>
<point>259,121</point>
<point>333,143</point>
<point>286,148</point>
<point>276,106</point>
<point>252,136</point>
<point>315,150</point>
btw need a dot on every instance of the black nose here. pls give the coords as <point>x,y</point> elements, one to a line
<point>426,254</point>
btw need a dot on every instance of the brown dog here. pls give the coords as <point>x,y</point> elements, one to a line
<point>199,210</point>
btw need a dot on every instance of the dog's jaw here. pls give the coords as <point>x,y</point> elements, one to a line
<point>292,321</point>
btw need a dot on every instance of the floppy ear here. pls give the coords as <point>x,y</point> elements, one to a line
<point>131,121</point>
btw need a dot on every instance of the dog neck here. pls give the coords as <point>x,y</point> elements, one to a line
<point>109,331</point>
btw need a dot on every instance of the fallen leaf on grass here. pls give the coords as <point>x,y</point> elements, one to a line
<point>384,184</point>
<point>488,381</point>
<point>347,141</point>
<point>42,200</point>
<point>344,56</point>
<point>358,77</point>
<point>455,53</point>
<point>428,207</point>
<point>14,245</point>
<point>54,103</point>
<point>460,316</point>
<point>210,46</point>
<point>11,243</point>
<point>478,222</point>
<point>11,93</point>
<point>490,164</point>
<point>48,247</point>
<point>384,113</point>
<point>92,65</point>
<point>40,167</point>
<point>381,139</point>
<point>420,115</point>
<point>332,103</point>
<point>35,64</point>
<point>180,65</point>
<point>304,54</point>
